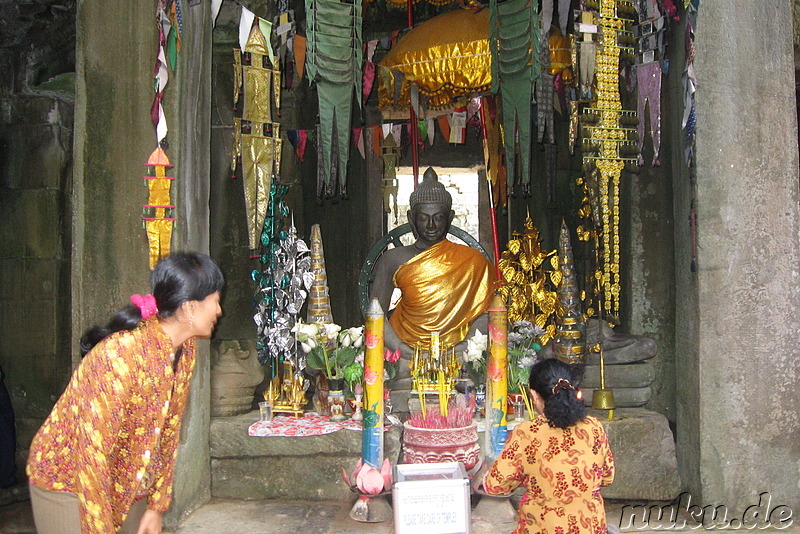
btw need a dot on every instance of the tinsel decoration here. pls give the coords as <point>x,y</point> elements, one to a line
<point>528,286</point>
<point>282,284</point>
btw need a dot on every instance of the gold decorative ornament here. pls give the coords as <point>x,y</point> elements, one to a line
<point>603,151</point>
<point>286,392</point>
<point>529,287</point>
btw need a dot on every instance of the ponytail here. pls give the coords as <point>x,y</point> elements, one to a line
<point>125,319</point>
<point>552,380</point>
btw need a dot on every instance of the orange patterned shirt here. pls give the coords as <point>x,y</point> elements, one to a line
<point>112,437</point>
<point>562,471</point>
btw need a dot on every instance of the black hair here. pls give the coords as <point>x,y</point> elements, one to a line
<point>562,408</point>
<point>178,278</point>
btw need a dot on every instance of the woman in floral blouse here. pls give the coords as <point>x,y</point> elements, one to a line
<point>103,460</point>
<point>561,458</point>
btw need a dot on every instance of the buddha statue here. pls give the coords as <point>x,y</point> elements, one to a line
<point>446,287</point>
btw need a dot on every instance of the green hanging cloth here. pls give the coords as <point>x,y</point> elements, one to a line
<point>514,41</point>
<point>172,48</point>
<point>334,58</point>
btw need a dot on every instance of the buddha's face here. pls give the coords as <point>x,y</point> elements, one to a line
<point>430,222</point>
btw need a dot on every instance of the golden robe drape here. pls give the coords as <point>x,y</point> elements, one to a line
<point>445,287</point>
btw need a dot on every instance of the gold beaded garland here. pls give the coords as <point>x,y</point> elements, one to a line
<point>607,135</point>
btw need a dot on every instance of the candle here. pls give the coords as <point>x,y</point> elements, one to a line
<point>496,379</point>
<point>372,434</point>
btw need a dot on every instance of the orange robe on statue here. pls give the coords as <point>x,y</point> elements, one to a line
<point>445,287</point>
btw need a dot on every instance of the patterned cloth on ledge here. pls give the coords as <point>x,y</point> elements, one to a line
<point>310,424</point>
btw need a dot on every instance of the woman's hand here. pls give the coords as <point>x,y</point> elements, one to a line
<point>477,477</point>
<point>150,523</point>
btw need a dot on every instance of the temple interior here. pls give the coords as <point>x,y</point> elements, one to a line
<point>696,301</point>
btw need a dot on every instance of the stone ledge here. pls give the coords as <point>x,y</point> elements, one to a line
<point>309,468</point>
<point>297,468</point>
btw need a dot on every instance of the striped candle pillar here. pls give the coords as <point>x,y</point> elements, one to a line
<point>372,434</point>
<point>496,379</point>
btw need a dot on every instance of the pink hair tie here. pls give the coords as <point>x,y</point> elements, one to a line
<point>146,304</point>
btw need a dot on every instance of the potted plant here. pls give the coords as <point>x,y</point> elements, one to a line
<point>523,349</point>
<point>330,350</point>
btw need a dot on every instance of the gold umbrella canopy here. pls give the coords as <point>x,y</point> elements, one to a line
<point>445,57</point>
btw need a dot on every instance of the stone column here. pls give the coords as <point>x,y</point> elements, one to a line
<point>113,138</point>
<point>739,317</point>
<point>190,141</point>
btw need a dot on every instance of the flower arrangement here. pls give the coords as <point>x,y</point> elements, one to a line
<point>332,350</point>
<point>339,354</point>
<point>523,349</point>
<point>475,357</point>
<point>368,480</point>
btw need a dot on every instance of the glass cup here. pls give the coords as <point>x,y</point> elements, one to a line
<point>519,409</point>
<point>265,409</point>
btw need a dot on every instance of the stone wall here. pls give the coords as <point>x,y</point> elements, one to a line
<point>742,379</point>
<point>36,116</point>
<point>34,257</point>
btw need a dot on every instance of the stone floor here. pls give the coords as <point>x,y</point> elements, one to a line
<point>229,516</point>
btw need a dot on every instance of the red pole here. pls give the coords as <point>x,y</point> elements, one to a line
<point>412,114</point>
<point>495,236</point>
<point>492,211</point>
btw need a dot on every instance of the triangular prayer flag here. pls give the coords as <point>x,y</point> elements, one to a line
<point>359,139</point>
<point>444,126</point>
<point>302,140</point>
<point>291,135</point>
<point>172,49</point>
<point>299,50</point>
<point>245,25</point>
<point>266,30</point>
<point>422,127</point>
<point>377,138</point>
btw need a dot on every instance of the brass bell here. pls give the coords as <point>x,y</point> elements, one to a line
<point>603,399</point>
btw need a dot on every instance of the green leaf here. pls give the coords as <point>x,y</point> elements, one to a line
<point>354,372</point>
<point>316,358</point>
<point>391,369</point>
<point>346,356</point>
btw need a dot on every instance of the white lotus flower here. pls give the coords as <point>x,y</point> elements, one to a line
<point>331,330</point>
<point>352,336</point>
<point>476,345</point>
<point>308,330</point>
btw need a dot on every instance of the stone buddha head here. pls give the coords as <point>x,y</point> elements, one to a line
<point>431,211</point>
